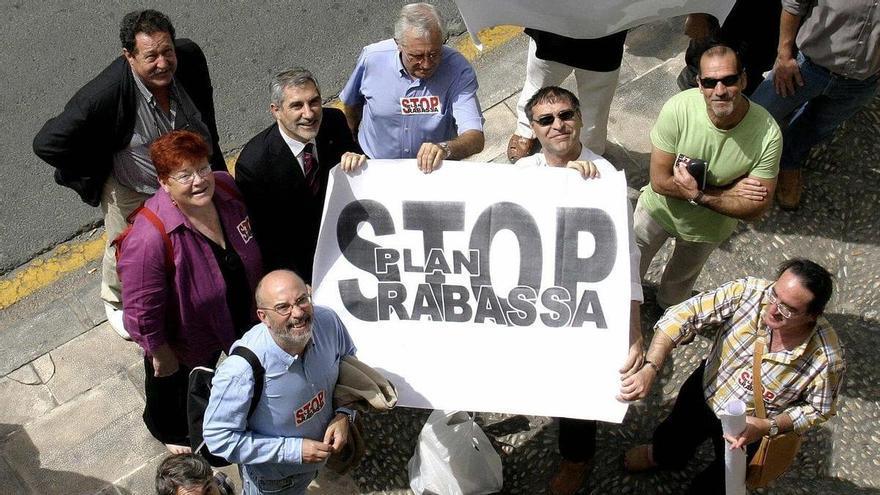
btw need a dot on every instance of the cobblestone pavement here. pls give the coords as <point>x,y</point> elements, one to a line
<point>70,417</point>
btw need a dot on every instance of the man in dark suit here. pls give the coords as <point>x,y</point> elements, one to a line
<point>283,170</point>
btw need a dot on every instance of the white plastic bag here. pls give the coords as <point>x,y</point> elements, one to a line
<point>454,457</point>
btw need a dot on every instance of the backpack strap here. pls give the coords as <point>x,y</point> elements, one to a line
<point>157,223</point>
<point>259,374</point>
<point>169,248</point>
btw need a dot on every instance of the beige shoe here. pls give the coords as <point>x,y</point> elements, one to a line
<point>789,186</point>
<point>570,477</point>
<point>114,317</point>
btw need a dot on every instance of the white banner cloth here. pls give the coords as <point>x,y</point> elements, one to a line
<point>456,285</point>
<point>579,18</point>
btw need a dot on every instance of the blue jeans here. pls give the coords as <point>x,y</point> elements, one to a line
<point>292,485</point>
<point>817,108</point>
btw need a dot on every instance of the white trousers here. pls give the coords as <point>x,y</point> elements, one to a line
<point>595,90</point>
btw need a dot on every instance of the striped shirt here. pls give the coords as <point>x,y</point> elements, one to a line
<point>802,383</point>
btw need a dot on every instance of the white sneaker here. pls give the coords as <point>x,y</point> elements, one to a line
<point>114,317</point>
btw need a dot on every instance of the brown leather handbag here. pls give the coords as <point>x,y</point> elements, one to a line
<point>775,454</point>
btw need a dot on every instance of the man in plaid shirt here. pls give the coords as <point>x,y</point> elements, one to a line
<point>801,370</point>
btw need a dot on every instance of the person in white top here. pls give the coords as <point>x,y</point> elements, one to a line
<point>555,118</point>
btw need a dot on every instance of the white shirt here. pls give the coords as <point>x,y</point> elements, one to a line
<point>297,148</point>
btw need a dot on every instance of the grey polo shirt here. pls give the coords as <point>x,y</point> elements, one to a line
<point>132,166</point>
<point>842,36</point>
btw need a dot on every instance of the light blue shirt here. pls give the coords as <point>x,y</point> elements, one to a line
<point>400,112</point>
<point>297,399</point>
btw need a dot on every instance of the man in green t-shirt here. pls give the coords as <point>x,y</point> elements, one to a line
<point>738,144</point>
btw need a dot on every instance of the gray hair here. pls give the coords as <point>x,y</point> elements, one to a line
<point>182,470</point>
<point>421,19</point>
<point>297,77</point>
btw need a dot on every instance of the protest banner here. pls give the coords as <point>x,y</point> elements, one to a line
<point>579,19</point>
<point>482,287</point>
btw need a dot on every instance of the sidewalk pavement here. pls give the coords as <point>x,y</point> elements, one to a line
<point>71,392</point>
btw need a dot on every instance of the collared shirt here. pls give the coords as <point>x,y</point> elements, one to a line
<point>132,166</point>
<point>803,383</point>
<point>842,36</point>
<point>188,309</point>
<point>400,112</point>
<point>753,147</point>
<point>605,168</point>
<point>297,399</point>
<point>297,148</point>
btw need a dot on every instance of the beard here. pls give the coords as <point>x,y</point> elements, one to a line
<point>290,336</point>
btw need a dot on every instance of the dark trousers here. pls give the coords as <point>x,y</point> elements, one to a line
<point>689,424</point>
<point>577,439</point>
<point>165,403</point>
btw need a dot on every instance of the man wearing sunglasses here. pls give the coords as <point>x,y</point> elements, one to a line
<point>294,428</point>
<point>414,97</point>
<point>801,371</point>
<point>736,144</point>
<point>827,69</point>
<point>556,122</point>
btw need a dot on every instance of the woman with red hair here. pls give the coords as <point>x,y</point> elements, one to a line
<point>189,266</point>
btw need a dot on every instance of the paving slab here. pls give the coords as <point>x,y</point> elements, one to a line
<point>81,446</point>
<point>26,340</point>
<point>500,124</point>
<point>88,359</point>
<point>9,481</point>
<point>22,403</point>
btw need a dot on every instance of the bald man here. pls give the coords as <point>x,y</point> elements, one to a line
<point>294,427</point>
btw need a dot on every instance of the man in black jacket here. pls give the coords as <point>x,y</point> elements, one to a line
<point>99,144</point>
<point>283,170</point>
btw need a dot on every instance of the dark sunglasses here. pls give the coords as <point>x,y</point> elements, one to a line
<point>711,82</point>
<point>565,116</point>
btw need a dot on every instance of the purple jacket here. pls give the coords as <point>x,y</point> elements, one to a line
<point>189,312</point>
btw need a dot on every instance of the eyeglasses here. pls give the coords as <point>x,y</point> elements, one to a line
<point>284,309</point>
<point>784,309</point>
<point>188,178</point>
<point>429,56</point>
<point>565,116</point>
<point>711,82</point>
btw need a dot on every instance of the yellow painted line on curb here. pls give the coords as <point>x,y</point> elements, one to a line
<point>491,37</point>
<point>72,256</point>
<point>41,272</point>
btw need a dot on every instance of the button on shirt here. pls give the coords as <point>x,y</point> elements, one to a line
<point>132,166</point>
<point>297,399</point>
<point>842,36</point>
<point>605,169</point>
<point>803,382</point>
<point>400,112</point>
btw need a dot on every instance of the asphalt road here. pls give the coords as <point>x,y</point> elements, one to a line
<point>52,48</point>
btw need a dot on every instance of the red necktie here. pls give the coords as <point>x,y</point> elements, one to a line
<point>310,166</point>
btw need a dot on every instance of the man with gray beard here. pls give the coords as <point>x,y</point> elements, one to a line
<point>294,428</point>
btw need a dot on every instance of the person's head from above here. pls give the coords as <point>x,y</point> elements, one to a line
<point>420,33</point>
<point>181,161</point>
<point>799,295</point>
<point>284,305</point>
<point>185,474</point>
<point>147,38</point>
<point>555,117</point>
<point>295,102</point>
<point>722,80</point>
